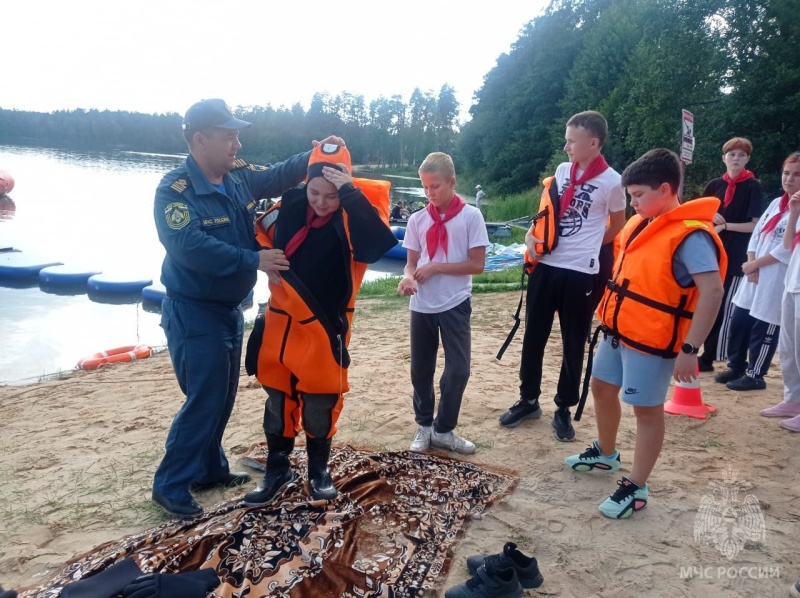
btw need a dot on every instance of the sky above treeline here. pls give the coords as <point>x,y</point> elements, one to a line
<point>158,56</point>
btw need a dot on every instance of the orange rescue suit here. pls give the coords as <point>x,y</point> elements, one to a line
<point>302,350</point>
<point>644,306</point>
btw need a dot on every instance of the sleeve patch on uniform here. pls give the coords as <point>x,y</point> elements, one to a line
<point>179,185</point>
<point>257,168</point>
<point>216,221</point>
<point>269,219</point>
<point>177,215</point>
<point>251,206</point>
<point>240,163</point>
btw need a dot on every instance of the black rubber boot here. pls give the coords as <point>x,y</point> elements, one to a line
<point>319,476</point>
<point>278,474</point>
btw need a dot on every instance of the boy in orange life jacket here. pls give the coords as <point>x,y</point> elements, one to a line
<point>586,210</point>
<point>446,244</point>
<point>329,231</point>
<point>657,309</point>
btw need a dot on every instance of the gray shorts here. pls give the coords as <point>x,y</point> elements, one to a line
<point>643,379</point>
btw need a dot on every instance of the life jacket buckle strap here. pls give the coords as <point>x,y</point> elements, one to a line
<point>609,332</point>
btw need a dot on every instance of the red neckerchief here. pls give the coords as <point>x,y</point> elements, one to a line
<point>437,234</point>
<point>312,221</point>
<point>596,168</point>
<point>783,207</point>
<point>740,178</point>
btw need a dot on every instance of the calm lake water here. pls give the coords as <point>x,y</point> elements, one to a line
<point>96,210</point>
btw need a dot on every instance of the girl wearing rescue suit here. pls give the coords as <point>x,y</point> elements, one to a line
<point>329,230</point>
<point>755,322</point>
<point>660,304</point>
<point>789,344</point>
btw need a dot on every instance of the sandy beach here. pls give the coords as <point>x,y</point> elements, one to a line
<point>77,455</point>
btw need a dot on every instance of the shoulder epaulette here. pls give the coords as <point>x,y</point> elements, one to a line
<point>180,185</point>
<point>242,163</point>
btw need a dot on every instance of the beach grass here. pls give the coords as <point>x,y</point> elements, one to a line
<point>512,207</point>
<point>488,282</point>
<point>103,492</point>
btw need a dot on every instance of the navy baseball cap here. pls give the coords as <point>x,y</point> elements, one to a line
<point>211,113</point>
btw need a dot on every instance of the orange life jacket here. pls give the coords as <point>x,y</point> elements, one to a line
<point>545,222</point>
<point>644,306</point>
<point>300,348</point>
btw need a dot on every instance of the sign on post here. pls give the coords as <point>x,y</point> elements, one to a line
<point>687,136</point>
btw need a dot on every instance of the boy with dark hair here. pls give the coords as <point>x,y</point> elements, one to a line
<point>664,293</point>
<point>582,208</point>
<point>742,205</point>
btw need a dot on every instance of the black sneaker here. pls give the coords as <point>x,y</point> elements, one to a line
<point>747,382</point>
<point>562,424</point>
<point>526,568</point>
<point>519,412</point>
<point>705,366</point>
<point>728,375</point>
<point>491,580</point>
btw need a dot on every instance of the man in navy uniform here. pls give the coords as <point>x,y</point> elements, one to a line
<point>204,213</point>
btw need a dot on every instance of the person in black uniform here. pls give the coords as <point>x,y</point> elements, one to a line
<point>742,205</point>
<point>204,213</point>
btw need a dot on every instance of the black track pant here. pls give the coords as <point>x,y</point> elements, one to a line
<point>570,293</point>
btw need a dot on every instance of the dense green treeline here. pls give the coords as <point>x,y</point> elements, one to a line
<point>387,131</point>
<point>733,63</point>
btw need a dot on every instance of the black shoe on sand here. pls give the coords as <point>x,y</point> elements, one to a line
<point>526,568</point>
<point>519,412</point>
<point>491,580</point>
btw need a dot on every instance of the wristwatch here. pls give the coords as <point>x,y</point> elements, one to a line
<point>689,349</point>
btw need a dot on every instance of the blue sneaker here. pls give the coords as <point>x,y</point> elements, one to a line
<point>627,499</point>
<point>592,458</point>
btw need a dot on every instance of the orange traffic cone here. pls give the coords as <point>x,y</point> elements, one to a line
<point>687,400</point>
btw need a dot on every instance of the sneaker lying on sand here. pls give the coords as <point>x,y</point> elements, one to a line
<point>592,459</point>
<point>526,568</point>
<point>491,580</point>
<point>627,499</point>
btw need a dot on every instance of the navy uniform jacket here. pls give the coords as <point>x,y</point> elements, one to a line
<point>209,236</point>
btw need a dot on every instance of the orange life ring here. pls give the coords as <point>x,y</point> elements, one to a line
<point>118,355</point>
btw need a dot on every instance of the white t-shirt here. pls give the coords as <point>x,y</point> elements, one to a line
<point>465,231</point>
<point>763,299</point>
<point>793,272</point>
<point>584,223</point>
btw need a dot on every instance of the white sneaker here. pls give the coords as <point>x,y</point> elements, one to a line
<point>452,442</point>
<point>422,439</point>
